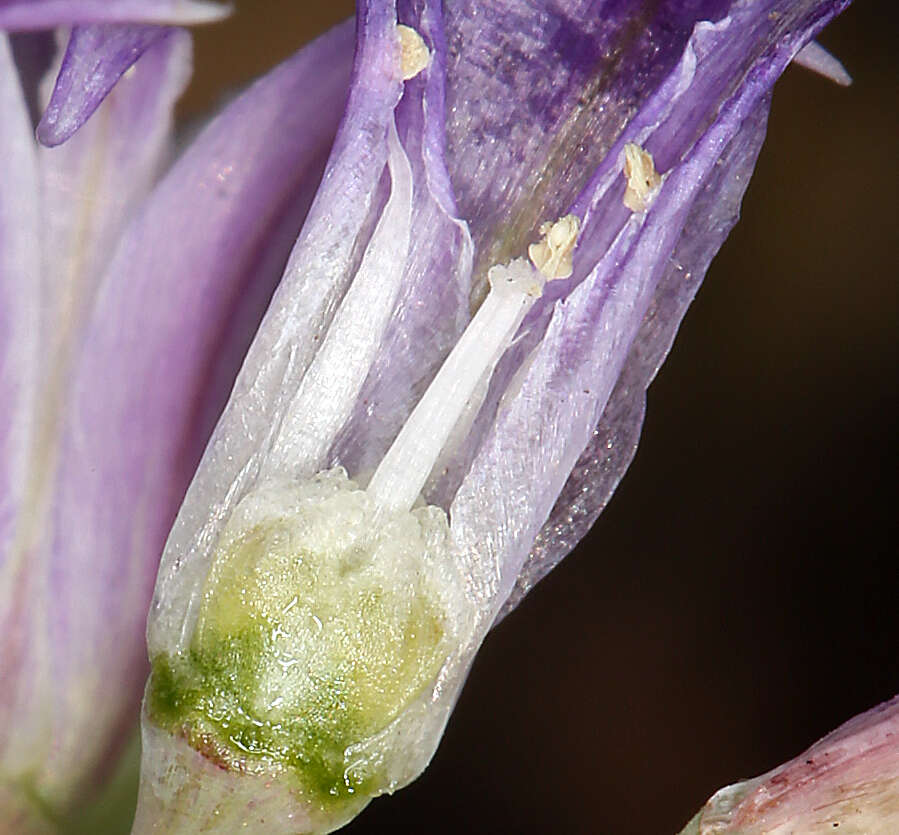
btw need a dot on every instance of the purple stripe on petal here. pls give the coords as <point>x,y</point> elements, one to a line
<point>96,58</point>
<point>48,14</point>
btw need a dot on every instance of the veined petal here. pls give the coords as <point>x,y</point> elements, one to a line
<point>608,453</point>
<point>95,59</point>
<point>569,379</point>
<point>48,14</point>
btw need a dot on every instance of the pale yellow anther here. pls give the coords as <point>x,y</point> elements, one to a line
<point>414,52</point>
<point>552,254</point>
<point>642,178</point>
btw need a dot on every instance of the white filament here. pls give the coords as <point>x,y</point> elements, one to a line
<point>405,468</point>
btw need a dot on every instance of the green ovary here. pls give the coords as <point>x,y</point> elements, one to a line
<point>301,652</point>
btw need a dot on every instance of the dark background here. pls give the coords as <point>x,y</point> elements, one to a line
<point>737,599</point>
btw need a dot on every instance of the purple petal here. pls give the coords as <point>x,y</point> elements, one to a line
<point>573,372</point>
<point>610,450</point>
<point>95,59</point>
<point>211,239</point>
<point>47,14</point>
<point>539,92</point>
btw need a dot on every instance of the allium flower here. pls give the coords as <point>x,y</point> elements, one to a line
<point>394,471</point>
<point>126,301</point>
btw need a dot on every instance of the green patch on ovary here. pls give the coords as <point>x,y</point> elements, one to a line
<point>304,647</point>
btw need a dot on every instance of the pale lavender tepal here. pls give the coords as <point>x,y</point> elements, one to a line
<point>129,288</point>
<point>448,385</point>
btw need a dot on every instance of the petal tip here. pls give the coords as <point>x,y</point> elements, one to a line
<point>50,133</point>
<point>816,58</point>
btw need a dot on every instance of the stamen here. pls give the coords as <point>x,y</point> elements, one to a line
<point>514,288</point>
<point>642,178</point>
<point>414,52</point>
<point>552,254</point>
<point>816,58</point>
